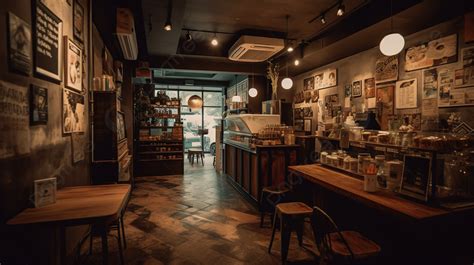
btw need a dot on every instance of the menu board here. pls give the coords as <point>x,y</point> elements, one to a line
<point>406,94</point>
<point>47,42</point>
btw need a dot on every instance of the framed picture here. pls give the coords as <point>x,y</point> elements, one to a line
<point>19,45</point>
<point>384,104</point>
<point>307,125</point>
<point>467,57</point>
<point>357,89</point>
<point>72,65</point>
<point>47,42</point>
<point>45,192</point>
<point>121,134</point>
<point>348,90</point>
<point>38,105</point>
<point>73,112</point>
<point>369,87</point>
<point>416,177</point>
<point>315,96</point>
<point>433,53</point>
<point>406,94</point>
<point>330,78</point>
<point>299,125</point>
<point>386,69</point>
<point>318,80</point>
<point>430,83</point>
<point>78,21</point>
<point>308,83</point>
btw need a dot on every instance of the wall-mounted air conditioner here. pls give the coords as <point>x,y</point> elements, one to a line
<point>126,33</point>
<point>255,49</point>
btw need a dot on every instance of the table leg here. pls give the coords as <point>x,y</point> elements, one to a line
<point>105,246</point>
<point>285,231</point>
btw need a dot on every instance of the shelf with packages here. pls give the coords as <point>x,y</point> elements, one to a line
<point>159,145</point>
<point>450,156</point>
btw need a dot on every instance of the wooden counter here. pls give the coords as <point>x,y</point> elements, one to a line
<point>249,170</point>
<point>354,188</point>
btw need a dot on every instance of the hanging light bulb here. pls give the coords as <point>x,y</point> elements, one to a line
<point>287,83</point>
<point>341,9</point>
<point>236,99</point>
<point>393,43</point>
<point>297,62</point>
<point>167,26</point>
<point>290,48</point>
<point>253,92</point>
<point>214,40</point>
<point>195,102</point>
<point>323,19</point>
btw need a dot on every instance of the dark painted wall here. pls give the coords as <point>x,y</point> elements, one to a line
<point>50,155</point>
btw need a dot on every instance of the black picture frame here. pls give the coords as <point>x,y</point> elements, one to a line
<point>47,69</point>
<point>357,89</point>
<point>38,105</point>
<point>78,21</point>
<point>416,177</point>
<point>19,59</point>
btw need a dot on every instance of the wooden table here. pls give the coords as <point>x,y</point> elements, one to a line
<point>99,204</point>
<point>354,188</point>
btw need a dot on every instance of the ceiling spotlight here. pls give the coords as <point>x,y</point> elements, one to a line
<point>297,62</point>
<point>253,92</point>
<point>290,48</point>
<point>341,9</point>
<point>323,19</point>
<point>189,37</point>
<point>287,83</point>
<point>167,26</point>
<point>214,40</point>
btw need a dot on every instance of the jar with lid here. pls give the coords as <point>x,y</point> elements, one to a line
<point>360,158</point>
<point>381,178</point>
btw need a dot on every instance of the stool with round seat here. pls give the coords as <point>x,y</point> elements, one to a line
<point>269,198</point>
<point>292,216</point>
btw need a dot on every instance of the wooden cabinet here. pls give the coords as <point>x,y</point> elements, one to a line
<point>111,161</point>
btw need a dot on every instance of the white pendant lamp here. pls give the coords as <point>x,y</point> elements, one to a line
<point>393,43</point>
<point>287,83</point>
<point>253,92</point>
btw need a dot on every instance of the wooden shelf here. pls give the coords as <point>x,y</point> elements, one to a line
<point>165,106</point>
<point>158,160</point>
<point>159,152</point>
<point>158,127</point>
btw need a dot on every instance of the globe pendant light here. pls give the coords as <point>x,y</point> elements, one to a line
<point>195,102</point>
<point>287,83</point>
<point>253,92</point>
<point>393,43</point>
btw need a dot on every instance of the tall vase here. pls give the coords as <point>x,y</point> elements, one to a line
<point>274,92</point>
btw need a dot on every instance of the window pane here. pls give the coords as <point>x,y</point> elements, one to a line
<point>192,121</point>
<point>212,118</point>
<point>212,99</point>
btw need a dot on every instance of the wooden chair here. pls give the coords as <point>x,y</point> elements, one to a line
<point>336,246</point>
<point>292,216</point>
<point>269,198</point>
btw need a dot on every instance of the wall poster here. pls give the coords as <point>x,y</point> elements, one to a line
<point>386,69</point>
<point>19,45</point>
<point>325,79</point>
<point>384,104</point>
<point>72,65</point>
<point>432,53</point>
<point>78,21</point>
<point>467,71</point>
<point>14,125</point>
<point>369,87</point>
<point>48,31</point>
<point>73,112</point>
<point>38,105</point>
<point>357,89</point>
<point>308,83</point>
<point>406,94</point>
<point>430,83</point>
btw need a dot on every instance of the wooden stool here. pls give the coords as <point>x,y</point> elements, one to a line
<point>336,245</point>
<point>291,215</point>
<point>269,198</point>
<point>195,152</point>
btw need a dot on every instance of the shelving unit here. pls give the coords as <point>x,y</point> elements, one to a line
<point>159,142</point>
<point>111,160</point>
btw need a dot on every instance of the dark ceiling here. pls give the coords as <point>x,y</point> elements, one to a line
<point>363,25</point>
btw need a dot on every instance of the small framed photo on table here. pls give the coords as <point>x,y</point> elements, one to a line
<point>45,192</point>
<point>416,177</point>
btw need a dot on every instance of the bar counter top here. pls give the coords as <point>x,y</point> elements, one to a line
<point>354,188</point>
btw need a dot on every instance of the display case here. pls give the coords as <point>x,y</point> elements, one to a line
<point>243,129</point>
<point>398,158</point>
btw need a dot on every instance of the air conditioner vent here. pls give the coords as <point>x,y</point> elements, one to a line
<point>126,34</point>
<point>255,49</point>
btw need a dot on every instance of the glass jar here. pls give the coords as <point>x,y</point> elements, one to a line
<point>360,160</point>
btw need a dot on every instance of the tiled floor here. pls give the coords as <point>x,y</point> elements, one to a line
<point>197,218</point>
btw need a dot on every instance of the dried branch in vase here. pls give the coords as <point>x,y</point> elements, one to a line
<point>273,72</point>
